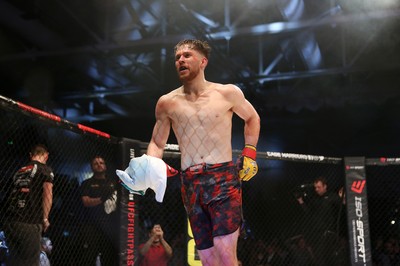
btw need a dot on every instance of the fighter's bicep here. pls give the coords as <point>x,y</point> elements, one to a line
<point>240,105</point>
<point>161,131</point>
<point>245,111</point>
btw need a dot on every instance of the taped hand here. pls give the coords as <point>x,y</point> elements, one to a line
<point>247,164</point>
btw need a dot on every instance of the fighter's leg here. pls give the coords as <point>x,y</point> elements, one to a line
<point>192,192</point>
<point>225,248</point>
<point>226,214</point>
<point>209,257</point>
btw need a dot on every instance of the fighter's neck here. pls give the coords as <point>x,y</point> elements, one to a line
<point>195,88</point>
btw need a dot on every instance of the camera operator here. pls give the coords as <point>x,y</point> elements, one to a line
<point>323,215</point>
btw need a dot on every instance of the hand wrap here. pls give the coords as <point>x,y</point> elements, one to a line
<point>247,164</point>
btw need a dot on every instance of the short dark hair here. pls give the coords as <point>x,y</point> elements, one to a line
<point>321,179</point>
<point>95,157</point>
<point>150,228</point>
<point>39,149</point>
<point>201,46</point>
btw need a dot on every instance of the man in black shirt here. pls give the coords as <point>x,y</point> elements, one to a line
<point>29,207</point>
<point>323,212</point>
<point>99,198</point>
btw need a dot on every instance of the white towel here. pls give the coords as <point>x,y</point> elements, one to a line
<point>110,205</point>
<point>145,172</point>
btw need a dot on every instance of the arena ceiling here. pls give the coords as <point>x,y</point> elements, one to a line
<point>99,61</point>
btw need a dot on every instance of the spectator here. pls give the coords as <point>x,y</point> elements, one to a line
<point>3,249</point>
<point>300,252</point>
<point>258,255</point>
<point>323,212</point>
<point>99,197</point>
<point>272,255</point>
<point>389,256</point>
<point>46,247</point>
<point>155,251</point>
<point>29,207</point>
<point>377,249</point>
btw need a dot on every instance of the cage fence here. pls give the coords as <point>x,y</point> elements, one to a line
<point>277,229</point>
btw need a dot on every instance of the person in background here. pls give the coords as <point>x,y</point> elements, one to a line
<point>3,249</point>
<point>273,257</point>
<point>300,252</point>
<point>29,207</point>
<point>155,251</point>
<point>99,198</point>
<point>323,212</point>
<point>46,247</point>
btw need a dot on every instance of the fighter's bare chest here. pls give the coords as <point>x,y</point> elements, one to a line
<point>195,112</point>
<point>199,111</point>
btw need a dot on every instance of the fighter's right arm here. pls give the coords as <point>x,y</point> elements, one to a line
<point>161,129</point>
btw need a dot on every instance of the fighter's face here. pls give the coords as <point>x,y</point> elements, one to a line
<point>320,188</point>
<point>188,62</point>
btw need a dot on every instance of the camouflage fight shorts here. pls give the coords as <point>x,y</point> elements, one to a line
<point>212,196</point>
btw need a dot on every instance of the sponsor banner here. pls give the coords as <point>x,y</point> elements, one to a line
<point>171,149</point>
<point>357,211</point>
<point>128,215</point>
<point>298,157</point>
<point>382,161</point>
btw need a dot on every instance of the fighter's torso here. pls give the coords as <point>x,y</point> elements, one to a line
<point>202,126</point>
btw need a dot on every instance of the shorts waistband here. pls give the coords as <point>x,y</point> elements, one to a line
<point>203,167</point>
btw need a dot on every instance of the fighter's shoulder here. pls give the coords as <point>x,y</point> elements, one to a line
<point>226,88</point>
<point>172,95</point>
<point>229,91</point>
<point>169,98</point>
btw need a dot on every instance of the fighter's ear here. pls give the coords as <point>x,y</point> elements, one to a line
<point>204,62</point>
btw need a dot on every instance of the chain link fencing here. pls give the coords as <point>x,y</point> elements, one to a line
<point>70,153</point>
<point>277,230</point>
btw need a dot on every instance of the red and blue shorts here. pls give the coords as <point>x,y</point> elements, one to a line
<point>212,196</point>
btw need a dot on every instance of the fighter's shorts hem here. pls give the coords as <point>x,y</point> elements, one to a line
<point>210,246</point>
<point>228,233</point>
